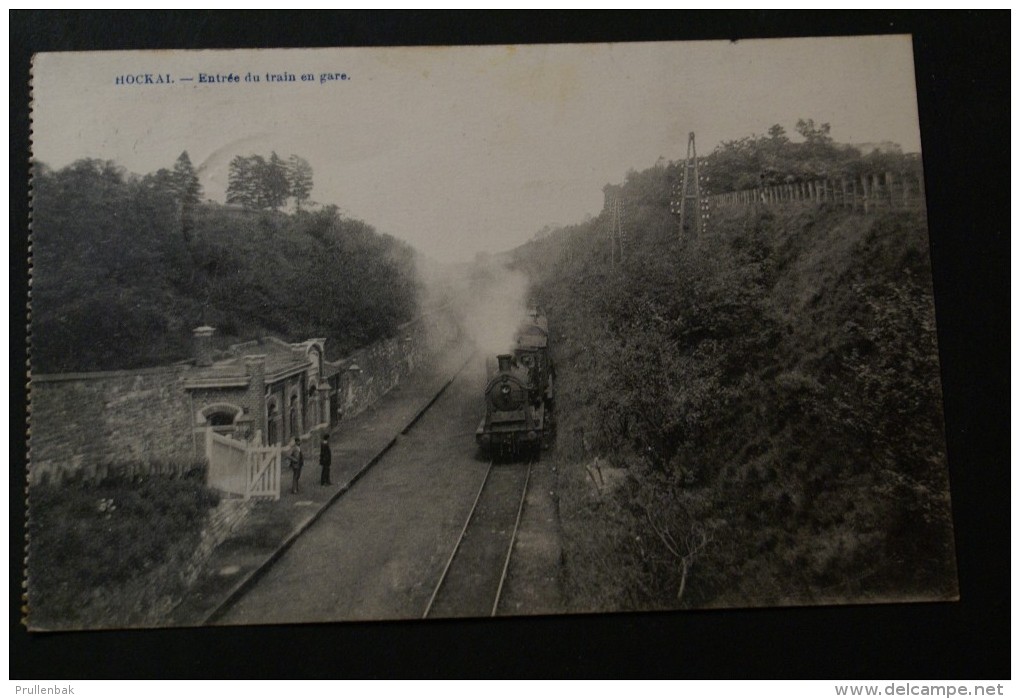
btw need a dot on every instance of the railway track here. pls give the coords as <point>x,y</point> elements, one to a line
<point>223,607</point>
<point>470,584</point>
<point>472,581</point>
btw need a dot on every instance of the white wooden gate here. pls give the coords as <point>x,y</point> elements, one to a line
<point>263,472</point>
<point>242,469</point>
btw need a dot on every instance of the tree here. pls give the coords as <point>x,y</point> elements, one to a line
<point>275,184</point>
<point>813,135</point>
<point>242,182</point>
<point>299,175</point>
<point>162,183</point>
<point>189,189</point>
<point>777,134</point>
<point>256,183</point>
<point>106,251</point>
<point>117,285</point>
<point>774,159</point>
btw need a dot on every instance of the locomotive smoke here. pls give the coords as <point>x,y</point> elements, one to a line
<point>488,299</point>
<point>496,304</point>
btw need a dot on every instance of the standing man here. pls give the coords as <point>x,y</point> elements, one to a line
<point>325,460</point>
<point>297,462</point>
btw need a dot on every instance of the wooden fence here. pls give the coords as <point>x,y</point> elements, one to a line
<point>867,193</point>
<point>243,469</point>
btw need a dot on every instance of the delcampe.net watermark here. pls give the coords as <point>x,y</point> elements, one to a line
<point>907,689</point>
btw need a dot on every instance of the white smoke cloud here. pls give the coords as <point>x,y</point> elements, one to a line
<point>495,307</point>
<point>490,300</point>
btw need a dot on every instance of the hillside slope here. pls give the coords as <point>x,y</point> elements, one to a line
<point>122,273</point>
<point>752,417</point>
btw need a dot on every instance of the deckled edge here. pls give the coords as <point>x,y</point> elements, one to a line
<point>28,350</point>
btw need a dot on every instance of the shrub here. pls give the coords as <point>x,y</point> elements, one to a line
<point>85,540</point>
<point>772,387</point>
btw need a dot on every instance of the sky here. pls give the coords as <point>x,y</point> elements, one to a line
<point>459,150</point>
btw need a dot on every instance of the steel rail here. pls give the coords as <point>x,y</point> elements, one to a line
<point>460,540</point>
<point>513,540</point>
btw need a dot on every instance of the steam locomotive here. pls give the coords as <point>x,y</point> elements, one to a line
<point>519,395</point>
<point>532,352</point>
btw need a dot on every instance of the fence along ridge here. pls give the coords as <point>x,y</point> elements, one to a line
<point>868,192</point>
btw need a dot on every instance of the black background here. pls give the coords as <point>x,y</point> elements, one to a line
<point>962,69</point>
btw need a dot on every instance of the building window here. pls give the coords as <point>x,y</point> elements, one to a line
<point>295,430</point>
<point>221,417</point>
<point>222,423</point>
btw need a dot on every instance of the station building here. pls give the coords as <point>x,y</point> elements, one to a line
<point>265,390</point>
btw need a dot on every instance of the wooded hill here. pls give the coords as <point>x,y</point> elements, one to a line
<point>125,266</point>
<point>750,417</point>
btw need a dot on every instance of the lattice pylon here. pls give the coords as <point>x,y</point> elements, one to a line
<point>687,202</point>
<point>613,211</point>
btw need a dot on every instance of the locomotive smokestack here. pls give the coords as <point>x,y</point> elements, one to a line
<point>504,362</point>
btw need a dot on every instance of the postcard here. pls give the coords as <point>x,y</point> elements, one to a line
<point>324,335</point>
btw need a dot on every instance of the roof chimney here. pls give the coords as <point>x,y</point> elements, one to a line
<point>202,339</point>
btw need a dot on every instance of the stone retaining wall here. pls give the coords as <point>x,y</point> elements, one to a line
<point>152,597</point>
<point>384,364</point>
<point>81,422</point>
<point>90,425</point>
<point>148,599</point>
<point>222,522</point>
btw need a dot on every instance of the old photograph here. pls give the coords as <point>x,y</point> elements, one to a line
<point>331,335</point>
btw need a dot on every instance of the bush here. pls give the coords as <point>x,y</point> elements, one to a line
<point>121,277</point>
<point>772,388</point>
<point>87,540</point>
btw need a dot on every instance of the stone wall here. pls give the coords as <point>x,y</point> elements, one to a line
<point>384,364</point>
<point>151,598</point>
<point>83,423</point>
<point>222,521</point>
<point>79,422</point>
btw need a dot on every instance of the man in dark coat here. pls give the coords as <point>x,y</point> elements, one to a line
<point>325,460</point>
